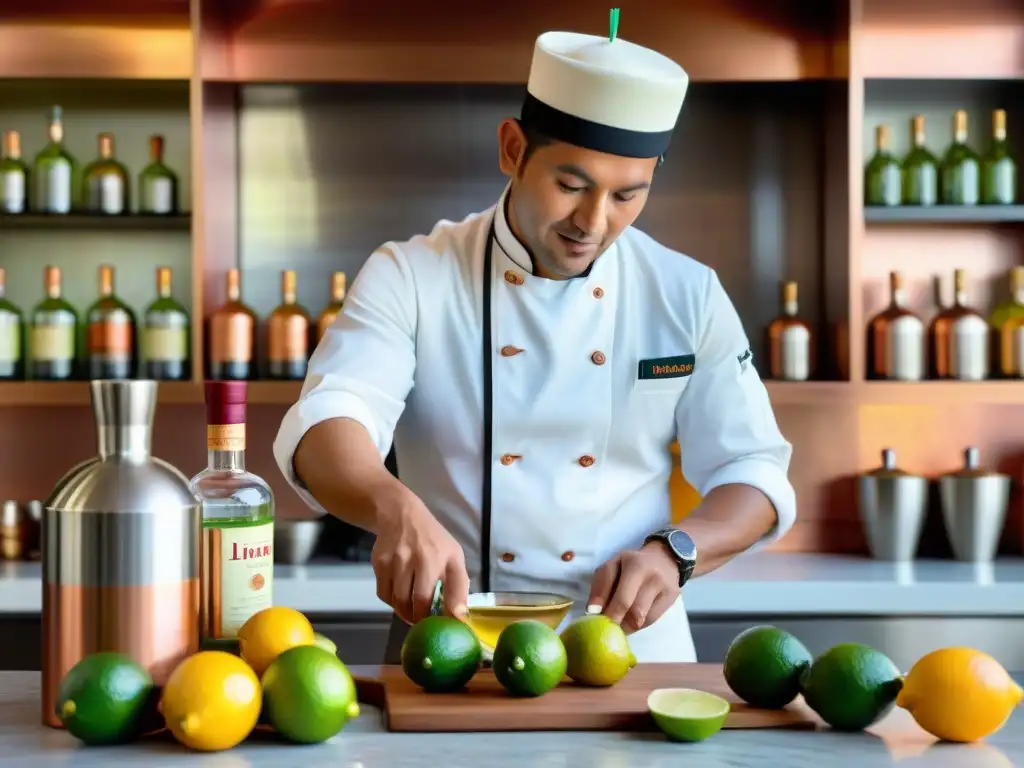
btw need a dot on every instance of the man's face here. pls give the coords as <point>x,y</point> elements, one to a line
<point>567,204</point>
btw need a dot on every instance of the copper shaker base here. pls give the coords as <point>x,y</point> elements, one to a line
<point>153,624</point>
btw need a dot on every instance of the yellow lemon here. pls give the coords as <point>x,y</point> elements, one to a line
<point>270,632</point>
<point>959,694</point>
<point>211,701</point>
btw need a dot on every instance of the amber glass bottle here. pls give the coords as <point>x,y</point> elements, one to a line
<point>330,313</point>
<point>959,338</point>
<point>789,341</point>
<point>231,336</point>
<point>896,347</point>
<point>288,329</point>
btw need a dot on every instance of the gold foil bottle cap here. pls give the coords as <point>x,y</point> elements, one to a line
<point>163,281</point>
<point>234,285</point>
<point>882,137</point>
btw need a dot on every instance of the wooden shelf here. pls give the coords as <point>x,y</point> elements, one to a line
<point>57,393</point>
<point>945,214</point>
<point>182,222</point>
<point>941,392</point>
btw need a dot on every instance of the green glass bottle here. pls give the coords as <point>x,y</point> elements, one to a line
<point>106,186</point>
<point>12,331</point>
<point>1007,324</point>
<point>54,171</point>
<point>13,176</point>
<point>158,184</point>
<point>920,169</point>
<point>998,166</point>
<point>960,172</point>
<point>882,173</point>
<point>53,335</point>
<point>165,334</point>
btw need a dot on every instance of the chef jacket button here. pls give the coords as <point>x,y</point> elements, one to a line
<point>508,350</point>
<point>568,556</point>
<point>598,358</point>
<point>508,458</point>
<point>586,461</point>
<point>507,557</point>
<point>598,292</point>
<point>513,277</point>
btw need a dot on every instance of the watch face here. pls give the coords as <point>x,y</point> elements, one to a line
<point>682,544</point>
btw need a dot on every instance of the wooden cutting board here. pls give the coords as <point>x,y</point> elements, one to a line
<point>485,706</point>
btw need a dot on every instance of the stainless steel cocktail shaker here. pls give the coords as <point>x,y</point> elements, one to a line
<point>892,508</point>
<point>974,506</point>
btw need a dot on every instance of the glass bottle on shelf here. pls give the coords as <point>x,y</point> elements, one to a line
<point>231,336</point>
<point>54,171</point>
<point>998,166</point>
<point>960,171</point>
<point>959,338</point>
<point>158,184</point>
<point>896,339</point>
<point>288,333</point>
<point>106,186</point>
<point>1007,324</point>
<point>165,340</point>
<point>882,173</point>
<point>53,333</point>
<point>331,311</point>
<point>920,168</point>
<point>12,330</point>
<point>13,176</point>
<point>110,338</point>
<point>789,340</point>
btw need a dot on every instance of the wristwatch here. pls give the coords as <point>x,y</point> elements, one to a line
<point>681,547</point>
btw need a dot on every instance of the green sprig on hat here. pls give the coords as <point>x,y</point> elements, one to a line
<point>613,24</point>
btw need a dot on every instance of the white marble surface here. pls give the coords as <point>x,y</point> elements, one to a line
<point>365,744</point>
<point>778,584</point>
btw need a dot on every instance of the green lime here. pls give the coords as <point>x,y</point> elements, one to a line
<point>324,642</point>
<point>685,714</point>
<point>529,658</point>
<point>597,650</point>
<point>850,686</point>
<point>763,666</point>
<point>440,653</point>
<point>103,699</point>
<point>308,695</point>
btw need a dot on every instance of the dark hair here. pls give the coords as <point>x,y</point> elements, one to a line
<point>536,139</point>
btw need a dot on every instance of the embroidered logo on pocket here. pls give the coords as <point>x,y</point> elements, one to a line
<point>666,367</point>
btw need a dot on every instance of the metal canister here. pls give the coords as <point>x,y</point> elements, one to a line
<point>974,507</point>
<point>120,549</point>
<point>892,505</point>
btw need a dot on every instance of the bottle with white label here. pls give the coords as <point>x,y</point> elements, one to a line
<point>158,184</point>
<point>53,172</point>
<point>53,334</point>
<point>11,331</point>
<point>13,176</point>
<point>165,334</point>
<point>106,185</point>
<point>789,340</point>
<point>896,339</point>
<point>959,338</point>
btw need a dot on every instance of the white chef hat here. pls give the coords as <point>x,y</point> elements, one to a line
<point>603,93</point>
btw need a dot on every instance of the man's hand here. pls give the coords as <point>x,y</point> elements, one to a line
<point>413,551</point>
<point>635,588</point>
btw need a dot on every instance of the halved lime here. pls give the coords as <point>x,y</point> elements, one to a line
<point>686,714</point>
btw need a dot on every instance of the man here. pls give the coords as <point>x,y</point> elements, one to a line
<point>532,364</point>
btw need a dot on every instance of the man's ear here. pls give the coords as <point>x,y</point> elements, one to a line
<point>511,146</point>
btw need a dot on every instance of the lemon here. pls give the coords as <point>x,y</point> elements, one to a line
<point>597,650</point>
<point>686,714</point>
<point>959,694</point>
<point>270,632</point>
<point>211,701</point>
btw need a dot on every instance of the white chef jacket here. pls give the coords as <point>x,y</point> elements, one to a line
<point>581,441</point>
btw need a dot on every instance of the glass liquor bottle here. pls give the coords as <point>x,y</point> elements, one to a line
<point>1007,324</point>
<point>960,170</point>
<point>789,340</point>
<point>54,171</point>
<point>998,166</point>
<point>920,169</point>
<point>331,311</point>
<point>13,176</point>
<point>110,339</point>
<point>231,336</point>
<point>53,334</point>
<point>158,184</point>
<point>895,343</point>
<point>959,338</point>
<point>288,333</point>
<point>165,341</point>
<point>106,187</point>
<point>882,173</point>
<point>237,555</point>
<point>12,332</point>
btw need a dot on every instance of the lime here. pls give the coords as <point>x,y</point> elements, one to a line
<point>529,658</point>
<point>597,651</point>
<point>686,714</point>
<point>324,642</point>
<point>103,699</point>
<point>850,686</point>
<point>763,666</point>
<point>308,695</point>
<point>440,653</point>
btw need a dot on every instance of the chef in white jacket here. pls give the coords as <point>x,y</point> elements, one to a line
<point>532,364</point>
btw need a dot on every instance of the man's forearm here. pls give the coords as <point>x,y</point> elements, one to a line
<point>727,522</point>
<point>340,465</point>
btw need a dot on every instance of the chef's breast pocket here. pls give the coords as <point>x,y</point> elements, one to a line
<point>655,400</point>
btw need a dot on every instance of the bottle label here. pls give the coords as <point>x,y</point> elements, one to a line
<point>905,350</point>
<point>796,353</point>
<point>164,343</point>
<point>111,337</point>
<point>1016,353</point>
<point>247,574</point>
<point>969,348</point>
<point>288,338</point>
<point>231,338</point>
<point>13,191</point>
<point>54,187</point>
<point>52,342</point>
<point>225,437</point>
<point>10,338</point>
<point>161,195</point>
<point>106,194</point>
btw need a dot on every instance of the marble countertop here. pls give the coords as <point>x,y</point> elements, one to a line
<point>366,744</point>
<point>762,583</point>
